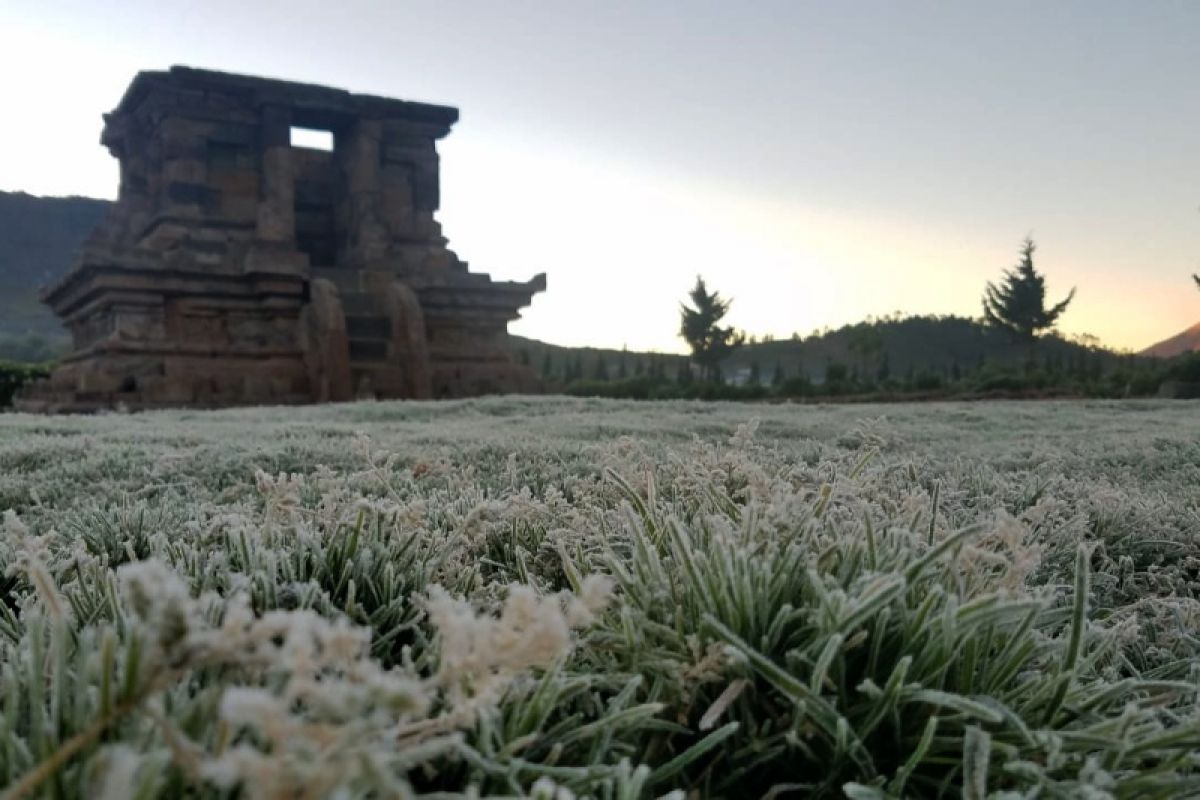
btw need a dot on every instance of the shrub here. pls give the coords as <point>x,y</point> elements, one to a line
<point>1185,368</point>
<point>646,388</point>
<point>995,378</point>
<point>14,376</point>
<point>928,382</point>
<point>796,386</point>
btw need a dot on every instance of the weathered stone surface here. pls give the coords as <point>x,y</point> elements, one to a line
<point>236,268</point>
<point>326,347</point>
<point>408,338</point>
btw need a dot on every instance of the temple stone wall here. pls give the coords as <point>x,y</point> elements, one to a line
<point>238,268</point>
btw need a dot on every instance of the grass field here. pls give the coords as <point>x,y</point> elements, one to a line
<point>560,598</point>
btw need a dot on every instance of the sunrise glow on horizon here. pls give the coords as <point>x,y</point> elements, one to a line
<point>817,194</point>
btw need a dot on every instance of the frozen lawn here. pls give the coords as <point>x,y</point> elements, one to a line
<point>556,598</point>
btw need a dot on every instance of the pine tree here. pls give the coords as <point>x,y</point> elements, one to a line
<point>601,373</point>
<point>779,376</point>
<point>547,366</point>
<point>755,374</point>
<point>1018,305</point>
<point>699,326</point>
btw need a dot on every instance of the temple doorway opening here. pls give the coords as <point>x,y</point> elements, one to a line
<point>313,196</point>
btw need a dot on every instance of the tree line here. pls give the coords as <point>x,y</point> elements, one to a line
<point>1014,306</point>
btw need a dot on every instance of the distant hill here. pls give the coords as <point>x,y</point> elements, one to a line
<point>903,346</point>
<point>897,348</point>
<point>1178,344</point>
<point>39,238</point>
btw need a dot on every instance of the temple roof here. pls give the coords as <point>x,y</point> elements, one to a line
<point>253,91</point>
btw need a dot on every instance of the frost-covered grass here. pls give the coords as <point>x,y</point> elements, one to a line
<point>553,598</point>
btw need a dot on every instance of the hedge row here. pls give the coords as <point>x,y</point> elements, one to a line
<point>1181,375</point>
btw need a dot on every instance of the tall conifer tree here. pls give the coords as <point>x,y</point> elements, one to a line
<point>1018,304</point>
<point>699,326</point>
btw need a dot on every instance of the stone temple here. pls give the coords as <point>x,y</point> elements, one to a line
<point>238,268</point>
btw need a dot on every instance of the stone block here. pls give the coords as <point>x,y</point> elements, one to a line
<point>186,171</point>
<point>326,344</point>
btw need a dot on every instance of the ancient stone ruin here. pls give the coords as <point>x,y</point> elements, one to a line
<point>237,267</point>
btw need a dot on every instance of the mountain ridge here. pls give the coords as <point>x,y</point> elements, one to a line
<point>1185,341</point>
<point>40,238</point>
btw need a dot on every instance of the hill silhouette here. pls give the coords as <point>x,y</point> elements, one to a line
<point>39,238</point>
<point>1180,343</point>
<point>904,348</point>
<point>899,347</point>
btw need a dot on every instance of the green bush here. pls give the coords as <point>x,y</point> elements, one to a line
<point>797,386</point>
<point>994,378</point>
<point>1132,377</point>
<point>1185,368</point>
<point>928,382</point>
<point>726,391</point>
<point>14,376</point>
<point>646,388</point>
<point>639,388</point>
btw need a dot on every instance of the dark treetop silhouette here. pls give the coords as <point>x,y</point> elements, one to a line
<point>699,326</point>
<point>1018,304</point>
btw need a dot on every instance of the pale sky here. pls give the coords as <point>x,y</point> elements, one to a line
<point>819,162</point>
